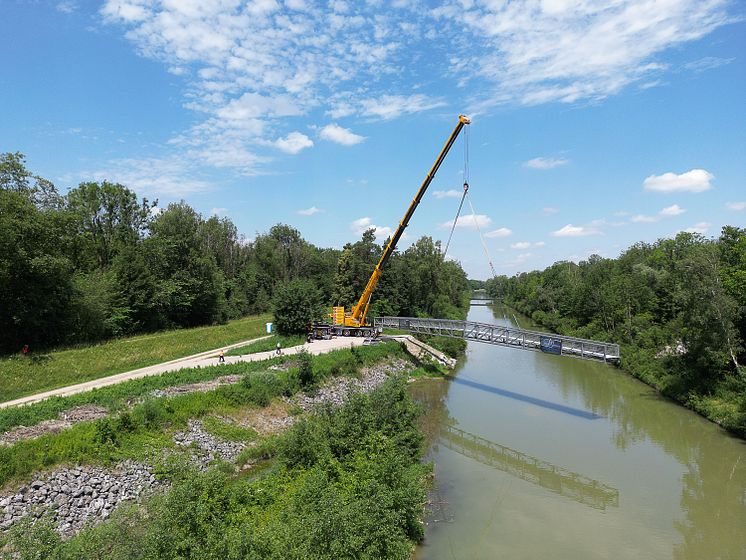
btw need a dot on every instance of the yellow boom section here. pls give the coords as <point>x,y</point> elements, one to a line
<point>356,318</point>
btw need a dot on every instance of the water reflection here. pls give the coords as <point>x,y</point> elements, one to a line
<point>683,479</point>
<point>536,471</point>
<point>526,398</point>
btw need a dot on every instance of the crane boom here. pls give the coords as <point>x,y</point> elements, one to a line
<point>356,318</point>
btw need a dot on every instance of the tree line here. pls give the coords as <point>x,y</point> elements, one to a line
<point>99,262</point>
<point>677,306</point>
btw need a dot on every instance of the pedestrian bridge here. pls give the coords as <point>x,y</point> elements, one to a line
<point>512,337</point>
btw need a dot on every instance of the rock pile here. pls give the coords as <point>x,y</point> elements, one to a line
<point>208,447</point>
<point>75,496</point>
<point>338,390</point>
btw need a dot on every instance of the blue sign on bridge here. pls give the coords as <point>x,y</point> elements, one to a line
<point>550,345</point>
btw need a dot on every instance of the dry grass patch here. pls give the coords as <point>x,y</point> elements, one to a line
<point>269,420</point>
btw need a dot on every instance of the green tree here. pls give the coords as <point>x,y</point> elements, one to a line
<point>15,177</point>
<point>36,278</point>
<point>108,217</point>
<point>297,304</point>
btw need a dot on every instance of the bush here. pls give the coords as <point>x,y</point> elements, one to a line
<point>297,304</point>
<point>305,369</point>
<point>261,388</point>
<point>349,486</point>
<point>154,413</point>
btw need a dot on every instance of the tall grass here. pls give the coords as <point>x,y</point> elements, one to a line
<point>25,376</point>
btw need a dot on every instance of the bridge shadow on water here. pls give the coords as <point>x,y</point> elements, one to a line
<point>525,398</point>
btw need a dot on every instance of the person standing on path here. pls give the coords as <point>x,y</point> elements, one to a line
<point>221,357</point>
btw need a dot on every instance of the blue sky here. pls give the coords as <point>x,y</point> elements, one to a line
<point>595,124</point>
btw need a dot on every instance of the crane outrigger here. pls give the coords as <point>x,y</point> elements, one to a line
<point>353,322</point>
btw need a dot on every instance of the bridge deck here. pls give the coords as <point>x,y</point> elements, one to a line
<point>506,336</point>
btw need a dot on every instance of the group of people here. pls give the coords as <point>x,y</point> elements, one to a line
<point>278,351</point>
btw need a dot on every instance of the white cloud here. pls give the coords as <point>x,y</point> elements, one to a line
<point>538,52</point>
<point>335,133</point>
<point>294,143</point>
<point>67,7</point>
<point>545,163</point>
<point>499,232</point>
<point>707,63</point>
<point>309,211</point>
<point>250,68</point>
<point>517,261</point>
<point>643,219</point>
<point>549,211</point>
<point>360,225</point>
<point>700,227</point>
<point>576,231</point>
<point>526,245</point>
<point>667,212</point>
<point>218,211</point>
<point>154,177</point>
<point>453,193</point>
<point>673,210</point>
<point>389,107</point>
<point>696,180</point>
<point>737,206</point>
<point>470,221</point>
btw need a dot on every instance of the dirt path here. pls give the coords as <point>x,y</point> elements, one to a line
<point>209,358</point>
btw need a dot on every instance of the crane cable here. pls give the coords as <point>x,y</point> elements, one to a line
<point>466,189</point>
<point>455,220</point>
<point>481,237</point>
<point>461,204</point>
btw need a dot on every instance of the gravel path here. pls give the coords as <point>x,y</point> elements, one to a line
<point>203,359</point>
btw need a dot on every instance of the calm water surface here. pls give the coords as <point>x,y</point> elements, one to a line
<point>543,457</point>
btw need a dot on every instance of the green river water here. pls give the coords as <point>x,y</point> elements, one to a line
<point>547,457</point>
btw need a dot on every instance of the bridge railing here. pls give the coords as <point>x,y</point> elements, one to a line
<point>505,336</point>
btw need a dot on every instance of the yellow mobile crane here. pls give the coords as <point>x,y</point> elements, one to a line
<point>353,323</point>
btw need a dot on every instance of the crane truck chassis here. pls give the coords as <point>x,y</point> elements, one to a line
<point>353,323</point>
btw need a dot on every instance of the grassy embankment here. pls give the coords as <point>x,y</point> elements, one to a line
<point>25,376</point>
<point>268,344</point>
<point>339,484</point>
<point>140,431</point>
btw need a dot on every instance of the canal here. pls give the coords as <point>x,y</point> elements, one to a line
<point>540,457</point>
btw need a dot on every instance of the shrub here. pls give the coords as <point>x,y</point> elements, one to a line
<point>297,304</point>
<point>305,369</point>
<point>261,388</point>
<point>106,432</point>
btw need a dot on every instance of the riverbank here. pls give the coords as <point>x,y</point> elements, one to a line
<point>352,436</point>
<point>724,403</point>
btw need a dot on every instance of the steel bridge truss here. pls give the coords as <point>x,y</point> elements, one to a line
<point>506,336</point>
